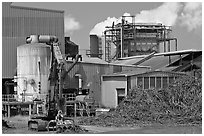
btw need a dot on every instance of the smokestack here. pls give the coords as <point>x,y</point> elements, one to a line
<point>94,46</point>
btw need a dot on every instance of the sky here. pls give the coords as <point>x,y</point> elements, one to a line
<point>85,18</point>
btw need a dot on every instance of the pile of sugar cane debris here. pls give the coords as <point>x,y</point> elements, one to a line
<point>180,103</point>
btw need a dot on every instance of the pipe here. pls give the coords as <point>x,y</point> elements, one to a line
<point>47,38</point>
<point>176,44</point>
<point>41,39</point>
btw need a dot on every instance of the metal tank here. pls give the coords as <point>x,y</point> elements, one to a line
<point>33,64</point>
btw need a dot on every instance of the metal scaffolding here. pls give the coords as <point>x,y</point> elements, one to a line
<point>133,39</point>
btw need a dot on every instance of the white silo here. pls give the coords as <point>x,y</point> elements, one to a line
<point>33,67</point>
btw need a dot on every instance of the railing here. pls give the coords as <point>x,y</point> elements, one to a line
<point>10,97</point>
<point>69,97</point>
<point>22,98</point>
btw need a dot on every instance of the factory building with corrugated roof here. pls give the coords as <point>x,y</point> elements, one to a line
<point>17,24</point>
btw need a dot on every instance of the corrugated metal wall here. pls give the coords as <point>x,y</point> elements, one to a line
<point>91,76</point>
<point>18,23</point>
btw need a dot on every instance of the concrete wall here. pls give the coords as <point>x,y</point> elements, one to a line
<point>109,92</point>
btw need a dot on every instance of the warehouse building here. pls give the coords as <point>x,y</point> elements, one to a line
<point>115,87</point>
<point>164,68</point>
<point>17,24</point>
<point>87,74</point>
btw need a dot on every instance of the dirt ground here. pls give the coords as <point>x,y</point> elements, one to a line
<point>19,126</point>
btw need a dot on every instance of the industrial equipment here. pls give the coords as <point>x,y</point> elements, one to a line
<point>45,110</point>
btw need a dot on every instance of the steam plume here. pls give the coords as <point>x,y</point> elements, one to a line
<point>187,14</point>
<point>191,16</point>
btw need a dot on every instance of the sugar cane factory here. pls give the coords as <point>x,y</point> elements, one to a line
<point>43,71</point>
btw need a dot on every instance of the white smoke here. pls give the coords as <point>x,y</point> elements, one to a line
<point>71,25</point>
<point>165,14</point>
<point>100,27</point>
<point>191,16</point>
<point>187,14</point>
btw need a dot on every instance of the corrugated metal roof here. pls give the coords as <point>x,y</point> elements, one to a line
<point>177,52</point>
<point>128,73</point>
<point>134,59</point>
<point>131,61</point>
<point>158,62</point>
<point>32,8</point>
<point>95,60</point>
<point>141,72</point>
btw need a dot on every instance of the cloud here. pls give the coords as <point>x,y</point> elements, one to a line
<point>166,14</point>
<point>191,15</point>
<point>100,27</point>
<point>170,13</point>
<point>71,25</point>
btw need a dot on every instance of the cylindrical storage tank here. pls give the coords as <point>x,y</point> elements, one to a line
<point>33,68</point>
<point>94,46</point>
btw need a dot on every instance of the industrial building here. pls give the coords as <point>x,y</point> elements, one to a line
<point>145,55</point>
<point>90,71</point>
<point>115,87</point>
<point>127,39</point>
<point>164,68</point>
<point>17,24</point>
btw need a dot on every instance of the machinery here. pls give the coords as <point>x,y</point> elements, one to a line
<point>45,111</point>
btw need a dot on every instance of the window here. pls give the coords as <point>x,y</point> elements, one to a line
<point>158,82</point>
<point>146,82</point>
<point>152,82</point>
<point>140,82</point>
<point>165,82</point>
<point>120,94</point>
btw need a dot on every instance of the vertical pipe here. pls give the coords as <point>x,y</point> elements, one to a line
<point>176,44</point>
<point>74,109</point>
<point>134,33</point>
<point>15,84</point>
<point>121,46</point>
<point>6,108</point>
<point>164,40</point>
<point>122,36</point>
<point>60,82</point>
<point>105,46</point>
<point>30,109</point>
<point>39,83</point>
<point>169,46</point>
<point>9,111</point>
